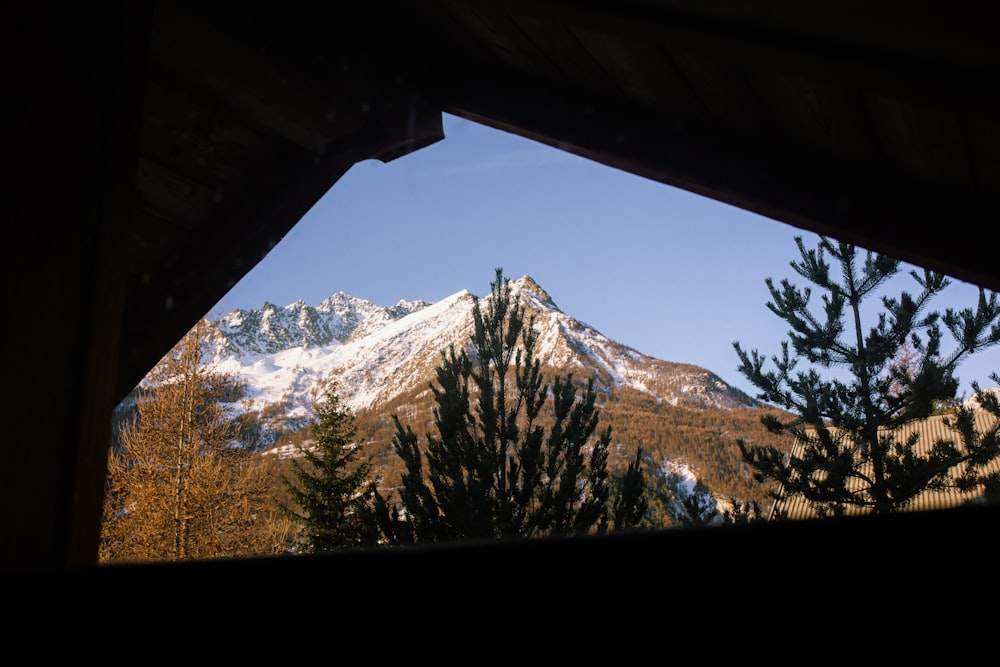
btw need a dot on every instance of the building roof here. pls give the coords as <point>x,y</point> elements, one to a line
<point>928,431</point>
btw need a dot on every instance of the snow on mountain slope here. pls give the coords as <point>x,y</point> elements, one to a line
<point>368,368</point>
<point>374,354</point>
<point>272,329</point>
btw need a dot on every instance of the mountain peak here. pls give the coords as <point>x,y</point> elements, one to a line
<point>527,284</point>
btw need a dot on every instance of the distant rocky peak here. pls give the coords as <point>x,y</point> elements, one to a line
<point>404,308</point>
<point>527,286</point>
<point>342,302</point>
<point>378,318</point>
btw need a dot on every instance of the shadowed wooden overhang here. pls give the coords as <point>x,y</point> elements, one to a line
<point>163,148</point>
<point>871,122</point>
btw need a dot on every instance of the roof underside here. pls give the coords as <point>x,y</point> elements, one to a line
<point>874,124</point>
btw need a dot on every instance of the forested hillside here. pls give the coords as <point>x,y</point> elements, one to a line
<point>704,440</point>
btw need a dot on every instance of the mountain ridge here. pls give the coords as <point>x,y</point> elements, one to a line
<point>375,353</point>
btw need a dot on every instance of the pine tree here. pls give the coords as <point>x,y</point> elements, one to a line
<point>898,373</point>
<point>180,486</point>
<point>493,471</point>
<point>328,481</point>
<point>631,502</point>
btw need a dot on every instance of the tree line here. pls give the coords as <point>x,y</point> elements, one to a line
<point>505,453</point>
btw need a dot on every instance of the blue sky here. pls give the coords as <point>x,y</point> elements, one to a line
<point>672,274</point>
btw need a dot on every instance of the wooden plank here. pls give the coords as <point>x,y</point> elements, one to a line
<point>187,202</point>
<point>922,141</point>
<point>818,116</point>
<point>248,84</point>
<point>563,48</point>
<point>643,74</point>
<point>726,93</point>
<point>984,153</point>
<point>505,41</point>
<point>892,49</point>
<point>185,133</point>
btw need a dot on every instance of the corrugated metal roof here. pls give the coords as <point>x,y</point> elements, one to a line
<point>929,431</point>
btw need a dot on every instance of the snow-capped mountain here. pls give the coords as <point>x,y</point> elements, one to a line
<point>270,330</point>
<point>377,353</point>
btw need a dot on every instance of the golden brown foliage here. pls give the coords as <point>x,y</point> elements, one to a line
<point>703,439</point>
<point>179,486</point>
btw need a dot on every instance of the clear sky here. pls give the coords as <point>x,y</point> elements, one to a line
<point>674,275</point>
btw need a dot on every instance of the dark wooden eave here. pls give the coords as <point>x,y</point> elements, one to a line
<point>875,125</point>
